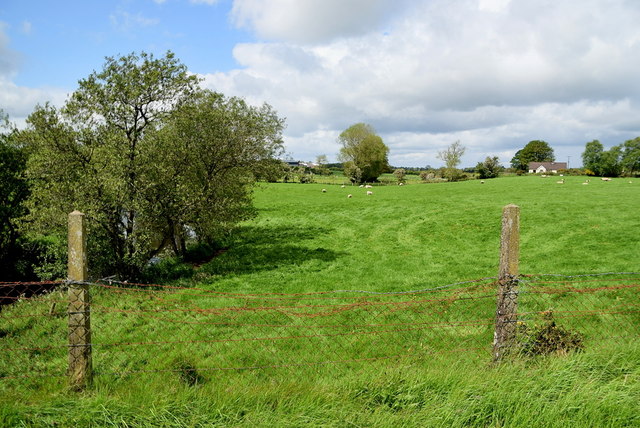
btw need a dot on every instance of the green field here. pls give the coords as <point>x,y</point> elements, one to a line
<point>414,237</point>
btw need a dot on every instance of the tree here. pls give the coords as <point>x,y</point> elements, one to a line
<point>400,174</point>
<point>452,156</point>
<point>142,150</point>
<point>592,157</point>
<point>600,162</point>
<point>14,190</point>
<point>321,165</point>
<point>534,151</point>
<point>631,156</point>
<point>490,168</point>
<point>364,151</point>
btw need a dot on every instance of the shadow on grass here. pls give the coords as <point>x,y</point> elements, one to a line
<point>266,248</point>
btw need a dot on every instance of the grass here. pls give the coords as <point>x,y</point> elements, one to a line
<point>400,238</point>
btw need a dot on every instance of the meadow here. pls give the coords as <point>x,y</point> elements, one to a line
<point>414,237</point>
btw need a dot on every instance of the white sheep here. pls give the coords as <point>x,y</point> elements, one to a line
<point>369,193</point>
<point>362,185</point>
<point>324,190</point>
<point>560,182</point>
<point>349,195</point>
<point>400,184</point>
<point>368,186</point>
<point>342,186</point>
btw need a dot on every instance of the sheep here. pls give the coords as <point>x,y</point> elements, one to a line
<point>400,184</point>
<point>369,193</point>
<point>560,182</point>
<point>368,186</point>
<point>342,186</point>
<point>349,195</point>
<point>324,190</point>
<point>481,181</point>
<point>361,186</point>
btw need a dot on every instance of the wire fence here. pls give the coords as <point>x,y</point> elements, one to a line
<point>139,328</point>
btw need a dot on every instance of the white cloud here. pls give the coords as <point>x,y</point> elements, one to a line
<point>491,73</point>
<point>312,21</point>
<point>18,101</point>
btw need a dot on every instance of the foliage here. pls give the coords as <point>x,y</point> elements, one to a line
<point>353,172</point>
<point>304,175</point>
<point>602,162</point>
<point>534,151</point>
<point>14,190</point>
<point>452,157</point>
<point>400,175</point>
<point>150,157</point>
<point>364,154</point>
<point>630,161</point>
<point>490,168</point>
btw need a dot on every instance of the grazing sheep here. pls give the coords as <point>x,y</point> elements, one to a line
<point>368,186</point>
<point>324,190</point>
<point>342,186</point>
<point>481,181</point>
<point>369,193</point>
<point>362,185</point>
<point>349,195</point>
<point>560,182</point>
<point>400,184</point>
<point>630,182</point>
<point>605,179</point>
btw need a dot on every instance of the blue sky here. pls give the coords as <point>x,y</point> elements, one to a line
<point>61,42</point>
<point>493,74</point>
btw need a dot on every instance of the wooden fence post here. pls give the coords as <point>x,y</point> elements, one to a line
<point>507,305</point>
<point>80,366</point>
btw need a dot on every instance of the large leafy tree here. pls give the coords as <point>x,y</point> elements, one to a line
<point>201,164</point>
<point>602,162</point>
<point>363,152</point>
<point>14,189</point>
<point>631,156</point>
<point>534,151</point>
<point>592,157</point>
<point>127,149</point>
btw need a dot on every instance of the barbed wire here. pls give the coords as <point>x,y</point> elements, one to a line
<point>328,327</point>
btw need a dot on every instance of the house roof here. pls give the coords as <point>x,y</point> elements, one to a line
<point>548,165</point>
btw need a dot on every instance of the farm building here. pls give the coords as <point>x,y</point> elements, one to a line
<point>544,167</point>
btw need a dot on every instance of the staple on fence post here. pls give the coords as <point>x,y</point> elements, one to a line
<point>80,365</point>
<point>507,305</point>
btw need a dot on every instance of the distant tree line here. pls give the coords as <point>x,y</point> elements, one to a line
<point>623,159</point>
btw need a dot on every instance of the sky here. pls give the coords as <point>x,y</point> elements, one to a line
<point>492,74</point>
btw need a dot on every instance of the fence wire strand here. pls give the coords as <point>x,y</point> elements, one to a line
<point>138,328</point>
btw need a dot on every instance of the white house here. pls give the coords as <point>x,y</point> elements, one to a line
<point>544,167</point>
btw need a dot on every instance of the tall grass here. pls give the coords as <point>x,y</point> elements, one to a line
<point>399,239</point>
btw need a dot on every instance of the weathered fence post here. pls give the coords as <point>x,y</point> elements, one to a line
<point>507,306</point>
<point>80,367</point>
